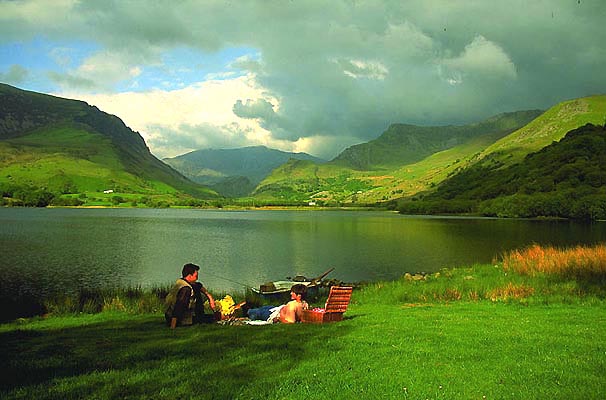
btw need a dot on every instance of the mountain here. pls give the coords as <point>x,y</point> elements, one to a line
<point>551,167</point>
<point>566,178</point>
<point>551,126</point>
<point>404,160</point>
<point>233,172</point>
<point>67,146</point>
<point>425,176</point>
<point>525,163</point>
<point>403,144</point>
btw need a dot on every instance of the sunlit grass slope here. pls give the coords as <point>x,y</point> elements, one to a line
<point>565,179</point>
<point>404,144</point>
<point>543,131</point>
<point>424,175</point>
<point>549,127</point>
<point>302,181</point>
<point>67,159</point>
<point>332,183</point>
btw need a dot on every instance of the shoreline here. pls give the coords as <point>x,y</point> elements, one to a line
<point>314,208</point>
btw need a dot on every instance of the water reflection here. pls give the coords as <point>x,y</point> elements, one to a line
<point>62,249</point>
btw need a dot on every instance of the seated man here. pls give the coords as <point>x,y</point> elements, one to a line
<point>184,302</point>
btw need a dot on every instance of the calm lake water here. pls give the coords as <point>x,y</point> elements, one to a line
<point>47,250</point>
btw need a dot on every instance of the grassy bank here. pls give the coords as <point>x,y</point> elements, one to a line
<point>487,331</point>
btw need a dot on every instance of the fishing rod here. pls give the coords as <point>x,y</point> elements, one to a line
<point>315,280</point>
<point>228,279</point>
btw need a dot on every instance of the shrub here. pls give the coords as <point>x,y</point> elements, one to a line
<point>117,200</point>
<point>581,262</point>
<point>67,201</point>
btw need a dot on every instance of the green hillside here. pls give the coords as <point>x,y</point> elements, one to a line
<point>403,144</point>
<point>62,151</point>
<point>502,179</point>
<point>300,181</point>
<point>550,127</point>
<point>426,174</point>
<point>495,152</point>
<point>57,147</point>
<point>564,179</point>
<point>398,171</point>
<point>494,143</point>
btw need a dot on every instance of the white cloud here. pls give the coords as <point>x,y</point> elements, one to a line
<point>480,57</point>
<point>219,75</point>
<point>108,68</point>
<point>99,72</point>
<point>61,55</point>
<point>247,62</point>
<point>35,11</point>
<point>177,114</point>
<point>358,69</point>
<point>323,146</point>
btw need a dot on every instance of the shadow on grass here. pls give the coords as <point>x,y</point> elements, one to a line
<point>24,307</point>
<point>143,358</point>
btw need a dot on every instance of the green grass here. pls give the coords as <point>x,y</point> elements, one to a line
<point>425,174</point>
<point>462,350</point>
<point>457,334</point>
<point>64,157</point>
<point>549,127</point>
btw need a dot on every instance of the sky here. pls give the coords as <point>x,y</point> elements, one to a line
<point>304,76</point>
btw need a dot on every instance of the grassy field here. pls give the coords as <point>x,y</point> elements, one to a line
<point>482,332</point>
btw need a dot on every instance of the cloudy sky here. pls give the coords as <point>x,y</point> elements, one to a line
<point>302,75</point>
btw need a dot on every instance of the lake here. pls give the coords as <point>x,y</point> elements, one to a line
<point>57,250</point>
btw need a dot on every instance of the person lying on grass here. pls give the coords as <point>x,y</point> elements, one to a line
<point>288,313</point>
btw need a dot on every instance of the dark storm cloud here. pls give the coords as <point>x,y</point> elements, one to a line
<point>347,69</point>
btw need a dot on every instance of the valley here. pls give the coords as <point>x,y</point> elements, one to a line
<point>63,152</point>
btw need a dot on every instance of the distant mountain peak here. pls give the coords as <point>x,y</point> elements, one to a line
<point>222,169</point>
<point>405,143</point>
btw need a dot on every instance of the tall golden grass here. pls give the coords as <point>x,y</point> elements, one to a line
<point>577,262</point>
<point>510,291</point>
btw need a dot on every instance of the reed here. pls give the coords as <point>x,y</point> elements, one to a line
<point>473,284</point>
<point>133,300</point>
<point>580,262</point>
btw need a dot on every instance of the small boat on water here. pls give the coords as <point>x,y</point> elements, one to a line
<point>278,289</point>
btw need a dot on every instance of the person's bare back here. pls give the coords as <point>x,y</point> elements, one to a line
<point>291,312</point>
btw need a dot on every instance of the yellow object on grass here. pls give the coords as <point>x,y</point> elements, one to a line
<point>226,305</point>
